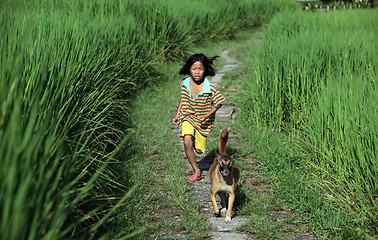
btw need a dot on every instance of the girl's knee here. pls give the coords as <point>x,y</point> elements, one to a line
<point>188,140</point>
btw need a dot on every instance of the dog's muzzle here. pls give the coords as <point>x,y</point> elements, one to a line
<point>225,171</point>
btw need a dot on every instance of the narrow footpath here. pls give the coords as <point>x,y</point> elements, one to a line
<point>200,189</point>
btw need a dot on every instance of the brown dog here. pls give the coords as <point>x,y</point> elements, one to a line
<point>224,175</point>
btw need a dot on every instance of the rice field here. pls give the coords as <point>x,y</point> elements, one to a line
<point>315,78</point>
<point>68,69</point>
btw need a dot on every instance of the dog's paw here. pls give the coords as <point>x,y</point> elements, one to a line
<point>227,219</point>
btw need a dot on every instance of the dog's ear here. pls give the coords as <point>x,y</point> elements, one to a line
<point>232,156</point>
<point>218,156</point>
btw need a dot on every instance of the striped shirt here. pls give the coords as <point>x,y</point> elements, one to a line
<point>193,108</point>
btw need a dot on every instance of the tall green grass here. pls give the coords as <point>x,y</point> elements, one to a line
<point>61,113</point>
<point>67,70</point>
<point>315,78</point>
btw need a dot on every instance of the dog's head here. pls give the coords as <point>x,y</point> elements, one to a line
<point>225,163</point>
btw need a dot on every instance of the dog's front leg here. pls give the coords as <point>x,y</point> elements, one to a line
<point>231,199</point>
<point>214,202</point>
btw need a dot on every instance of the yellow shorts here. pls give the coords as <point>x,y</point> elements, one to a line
<point>198,138</point>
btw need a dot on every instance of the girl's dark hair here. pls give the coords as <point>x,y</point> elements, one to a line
<point>207,63</point>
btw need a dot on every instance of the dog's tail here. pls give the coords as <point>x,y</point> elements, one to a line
<point>223,138</point>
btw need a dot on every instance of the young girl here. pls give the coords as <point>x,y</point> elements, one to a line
<point>199,101</point>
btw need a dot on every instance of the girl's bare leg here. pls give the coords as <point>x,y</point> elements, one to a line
<point>188,146</point>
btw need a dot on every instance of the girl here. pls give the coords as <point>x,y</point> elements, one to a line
<point>199,101</point>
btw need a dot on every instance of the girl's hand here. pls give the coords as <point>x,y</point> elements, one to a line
<point>202,119</point>
<point>175,120</point>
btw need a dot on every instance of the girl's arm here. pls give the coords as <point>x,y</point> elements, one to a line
<point>175,118</point>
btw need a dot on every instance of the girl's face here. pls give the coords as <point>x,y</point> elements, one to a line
<point>197,71</point>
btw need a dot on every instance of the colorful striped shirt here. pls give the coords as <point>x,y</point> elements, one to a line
<point>193,108</point>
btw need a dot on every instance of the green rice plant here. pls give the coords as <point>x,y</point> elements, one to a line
<point>206,20</point>
<point>320,88</point>
<point>161,28</point>
<point>62,119</point>
<point>341,133</point>
<point>256,13</point>
<point>215,20</point>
